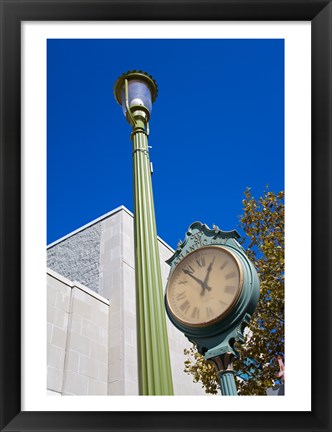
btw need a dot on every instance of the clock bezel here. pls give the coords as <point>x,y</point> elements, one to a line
<point>231,307</point>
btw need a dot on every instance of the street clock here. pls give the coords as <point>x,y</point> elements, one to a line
<point>205,286</point>
<point>212,289</point>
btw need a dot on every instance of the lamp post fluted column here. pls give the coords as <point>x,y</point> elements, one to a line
<point>154,367</point>
<point>223,364</point>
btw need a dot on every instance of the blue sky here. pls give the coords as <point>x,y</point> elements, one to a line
<point>217,127</point>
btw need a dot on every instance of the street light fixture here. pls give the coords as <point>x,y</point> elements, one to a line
<point>133,90</point>
<point>136,91</point>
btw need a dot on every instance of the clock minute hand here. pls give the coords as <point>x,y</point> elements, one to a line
<point>192,276</point>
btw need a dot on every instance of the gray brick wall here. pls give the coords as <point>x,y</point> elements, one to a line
<point>78,257</point>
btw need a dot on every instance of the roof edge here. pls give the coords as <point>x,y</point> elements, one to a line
<point>93,222</point>
<point>99,219</point>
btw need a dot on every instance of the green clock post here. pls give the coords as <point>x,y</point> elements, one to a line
<point>211,293</point>
<point>136,91</point>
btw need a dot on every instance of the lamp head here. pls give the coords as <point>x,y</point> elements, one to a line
<point>142,91</point>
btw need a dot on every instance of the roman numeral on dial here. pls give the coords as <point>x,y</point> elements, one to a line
<point>181,296</point>
<point>188,270</point>
<point>195,313</point>
<point>209,312</point>
<point>185,306</point>
<point>230,275</point>
<point>223,265</point>
<point>201,261</point>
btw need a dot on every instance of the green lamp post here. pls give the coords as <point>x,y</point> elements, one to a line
<point>136,91</point>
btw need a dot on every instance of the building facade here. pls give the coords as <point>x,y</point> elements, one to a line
<point>91,315</point>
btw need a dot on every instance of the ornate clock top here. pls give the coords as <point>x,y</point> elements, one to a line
<point>199,235</point>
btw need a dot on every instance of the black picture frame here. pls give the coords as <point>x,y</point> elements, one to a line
<point>13,12</point>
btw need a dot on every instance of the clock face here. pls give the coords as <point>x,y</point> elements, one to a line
<point>204,286</point>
